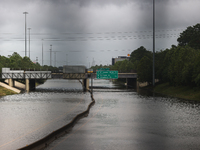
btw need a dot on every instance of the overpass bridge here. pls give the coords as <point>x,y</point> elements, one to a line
<point>131,78</point>
<point>31,76</point>
<point>87,75</point>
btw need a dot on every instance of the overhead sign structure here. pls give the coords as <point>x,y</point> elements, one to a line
<point>107,74</point>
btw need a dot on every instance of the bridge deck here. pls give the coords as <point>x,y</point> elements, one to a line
<point>88,75</point>
<point>49,75</point>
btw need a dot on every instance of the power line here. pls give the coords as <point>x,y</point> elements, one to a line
<point>106,38</point>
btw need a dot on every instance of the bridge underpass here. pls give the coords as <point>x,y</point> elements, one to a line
<point>30,77</point>
<point>131,78</point>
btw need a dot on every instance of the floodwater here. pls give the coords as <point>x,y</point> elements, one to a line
<point>28,117</point>
<point>120,119</point>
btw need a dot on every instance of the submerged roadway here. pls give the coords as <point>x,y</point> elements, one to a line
<point>125,120</point>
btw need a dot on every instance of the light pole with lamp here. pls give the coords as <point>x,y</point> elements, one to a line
<point>25,30</point>
<point>42,52</point>
<point>29,44</point>
<point>153,43</point>
<point>50,54</point>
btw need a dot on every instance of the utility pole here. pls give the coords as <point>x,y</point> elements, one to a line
<point>29,44</point>
<point>153,43</point>
<point>25,30</point>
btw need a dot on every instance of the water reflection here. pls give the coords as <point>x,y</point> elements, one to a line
<point>120,118</point>
<point>123,119</point>
<point>28,117</point>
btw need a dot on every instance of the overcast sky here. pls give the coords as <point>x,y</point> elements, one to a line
<point>91,32</point>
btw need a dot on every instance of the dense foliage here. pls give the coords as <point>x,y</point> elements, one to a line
<point>16,62</point>
<point>179,65</point>
<point>190,37</point>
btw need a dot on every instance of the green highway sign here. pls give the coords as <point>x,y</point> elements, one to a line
<point>107,74</point>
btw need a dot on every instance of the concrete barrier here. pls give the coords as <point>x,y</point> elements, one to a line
<point>17,84</point>
<point>9,87</point>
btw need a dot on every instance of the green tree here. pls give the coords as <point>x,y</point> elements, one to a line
<point>181,67</point>
<point>15,61</point>
<point>27,63</point>
<point>138,54</point>
<point>160,65</point>
<point>162,62</point>
<point>196,71</point>
<point>145,70</point>
<point>129,67</point>
<point>122,66</point>
<point>190,37</point>
<point>117,66</point>
<point>4,61</point>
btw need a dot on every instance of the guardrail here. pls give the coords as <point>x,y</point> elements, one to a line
<point>27,75</point>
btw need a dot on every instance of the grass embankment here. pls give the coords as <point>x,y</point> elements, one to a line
<point>4,91</point>
<point>185,92</point>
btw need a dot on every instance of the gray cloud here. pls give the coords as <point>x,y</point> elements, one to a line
<point>98,29</point>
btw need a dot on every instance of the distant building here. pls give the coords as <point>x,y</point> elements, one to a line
<point>120,58</point>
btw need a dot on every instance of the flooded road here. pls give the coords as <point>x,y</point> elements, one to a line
<point>123,119</point>
<point>120,119</point>
<point>26,118</point>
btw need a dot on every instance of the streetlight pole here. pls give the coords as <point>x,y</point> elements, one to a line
<point>42,52</point>
<point>153,43</point>
<point>29,43</point>
<point>66,60</point>
<point>25,30</point>
<point>50,54</point>
<point>55,59</point>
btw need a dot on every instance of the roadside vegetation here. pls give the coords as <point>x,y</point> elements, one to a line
<point>16,62</point>
<point>178,68</point>
<point>184,92</point>
<point>4,91</point>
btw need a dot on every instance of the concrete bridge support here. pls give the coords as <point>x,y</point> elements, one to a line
<point>132,83</point>
<point>11,82</point>
<point>30,85</point>
<point>27,85</point>
<point>85,85</point>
